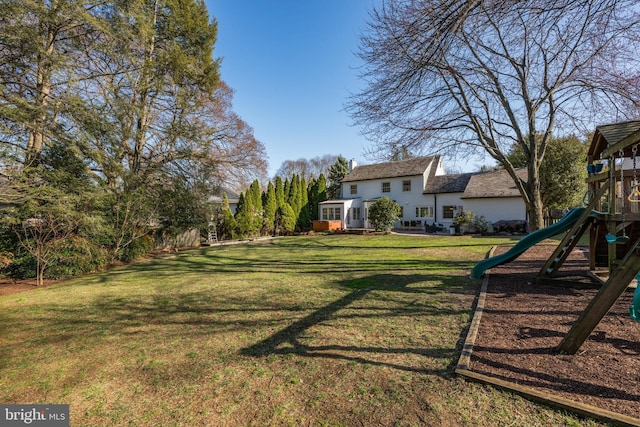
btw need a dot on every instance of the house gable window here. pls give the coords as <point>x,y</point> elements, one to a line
<point>406,185</point>
<point>354,188</point>
<point>386,187</point>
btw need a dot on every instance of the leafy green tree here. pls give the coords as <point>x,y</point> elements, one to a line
<point>383,213</point>
<point>57,206</point>
<point>562,172</point>
<point>337,172</point>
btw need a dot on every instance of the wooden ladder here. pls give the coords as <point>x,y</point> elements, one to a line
<point>212,236</point>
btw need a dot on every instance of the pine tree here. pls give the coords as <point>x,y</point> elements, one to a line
<point>338,171</point>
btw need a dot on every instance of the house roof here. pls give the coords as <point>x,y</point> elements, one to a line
<point>607,135</point>
<point>392,169</point>
<point>456,183</point>
<point>232,197</point>
<point>493,184</point>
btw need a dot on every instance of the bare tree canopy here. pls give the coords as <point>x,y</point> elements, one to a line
<point>471,76</point>
<point>308,169</point>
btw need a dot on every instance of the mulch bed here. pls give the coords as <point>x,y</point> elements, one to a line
<point>523,322</point>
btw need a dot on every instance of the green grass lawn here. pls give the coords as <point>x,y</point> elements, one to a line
<point>324,331</point>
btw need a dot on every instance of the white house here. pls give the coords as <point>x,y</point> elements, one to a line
<point>425,193</point>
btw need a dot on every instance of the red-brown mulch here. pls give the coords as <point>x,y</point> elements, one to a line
<point>523,322</point>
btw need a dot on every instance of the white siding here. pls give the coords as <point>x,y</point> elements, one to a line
<point>497,209</point>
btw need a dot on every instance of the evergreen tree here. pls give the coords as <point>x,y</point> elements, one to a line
<point>256,202</point>
<point>245,224</point>
<point>383,213</point>
<point>317,194</point>
<point>228,223</point>
<point>304,217</point>
<point>287,191</point>
<point>286,219</point>
<point>337,172</point>
<point>270,207</point>
<point>279,192</point>
<point>294,195</point>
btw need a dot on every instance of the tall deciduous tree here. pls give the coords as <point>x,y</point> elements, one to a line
<point>469,76</point>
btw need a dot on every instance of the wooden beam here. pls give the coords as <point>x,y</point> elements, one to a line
<point>552,400</point>
<point>628,140</point>
<point>618,281</point>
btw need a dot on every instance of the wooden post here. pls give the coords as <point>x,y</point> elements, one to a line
<point>603,301</point>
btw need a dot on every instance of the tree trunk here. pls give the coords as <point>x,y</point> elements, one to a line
<point>43,92</point>
<point>534,206</point>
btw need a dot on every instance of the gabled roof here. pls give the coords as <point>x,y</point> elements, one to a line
<point>394,169</point>
<point>608,135</point>
<point>456,183</point>
<point>493,184</point>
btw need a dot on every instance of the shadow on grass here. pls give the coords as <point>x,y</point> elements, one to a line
<point>288,340</point>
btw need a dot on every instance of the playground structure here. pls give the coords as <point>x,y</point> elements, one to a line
<point>612,217</point>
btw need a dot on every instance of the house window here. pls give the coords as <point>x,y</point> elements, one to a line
<point>406,185</point>
<point>448,212</point>
<point>354,189</point>
<point>355,213</point>
<point>331,214</point>
<point>424,212</point>
<point>386,187</point>
<point>401,212</point>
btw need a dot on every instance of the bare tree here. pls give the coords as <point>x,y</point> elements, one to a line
<point>308,169</point>
<point>471,76</point>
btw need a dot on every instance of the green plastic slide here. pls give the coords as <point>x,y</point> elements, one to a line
<point>526,242</point>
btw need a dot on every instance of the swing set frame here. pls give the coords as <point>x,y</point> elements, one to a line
<point>613,219</point>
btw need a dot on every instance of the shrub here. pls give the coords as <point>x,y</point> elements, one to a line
<point>21,265</point>
<point>479,224</point>
<point>383,213</point>
<point>137,248</point>
<point>74,256</point>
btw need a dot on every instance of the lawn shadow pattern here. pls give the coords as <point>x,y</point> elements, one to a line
<point>289,340</point>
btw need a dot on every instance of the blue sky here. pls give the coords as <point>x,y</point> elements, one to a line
<point>292,65</point>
